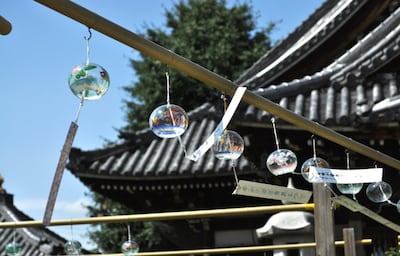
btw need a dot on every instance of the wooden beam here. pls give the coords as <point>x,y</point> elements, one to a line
<point>5,26</point>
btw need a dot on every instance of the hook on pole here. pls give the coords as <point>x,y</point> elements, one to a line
<point>90,34</point>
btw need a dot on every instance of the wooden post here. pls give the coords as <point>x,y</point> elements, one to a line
<point>349,242</point>
<point>323,218</point>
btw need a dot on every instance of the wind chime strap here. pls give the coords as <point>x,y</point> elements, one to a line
<point>356,207</point>
<point>59,172</point>
<point>221,126</point>
<point>344,176</point>
<point>262,190</point>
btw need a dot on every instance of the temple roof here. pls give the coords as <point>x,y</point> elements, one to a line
<point>38,241</point>
<point>144,156</point>
<point>338,68</point>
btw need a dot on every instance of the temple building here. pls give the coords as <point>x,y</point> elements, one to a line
<point>35,241</point>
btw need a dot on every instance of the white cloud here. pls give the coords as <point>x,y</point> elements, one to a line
<point>76,207</point>
<point>62,208</point>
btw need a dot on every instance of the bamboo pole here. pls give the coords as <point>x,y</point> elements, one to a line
<point>5,26</point>
<point>190,68</point>
<point>163,216</point>
<point>244,249</point>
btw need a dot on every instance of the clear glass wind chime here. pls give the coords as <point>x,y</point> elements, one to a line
<point>168,120</point>
<point>350,188</point>
<point>13,248</point>
<point>87,81</point>
<point>281,161</point>
<point>313,161</point>
<point>381,192</point>
<point>72,247</point>
<point>229,145</point>
<point>129,247</point>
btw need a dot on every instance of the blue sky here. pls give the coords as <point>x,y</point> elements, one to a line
<point>38,106</point>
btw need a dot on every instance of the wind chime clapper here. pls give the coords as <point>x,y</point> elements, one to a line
<point>88,81</point>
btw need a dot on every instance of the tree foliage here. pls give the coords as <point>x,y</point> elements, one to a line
<point>108,237</point>
<point>222,39</point>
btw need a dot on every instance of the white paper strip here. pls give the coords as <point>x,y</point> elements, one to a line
<point>237,97</point>
<point>356,207</point>
<point>255,189</point>
<point>344,176</point>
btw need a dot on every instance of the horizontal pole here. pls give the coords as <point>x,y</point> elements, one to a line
<point>194,70</point>
<point>243,249</point>
<point>163,216</point>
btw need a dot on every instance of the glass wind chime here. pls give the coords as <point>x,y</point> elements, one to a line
<point>350,188</point>
<point>87,81</point>
<point>381,192</point>
<point>281,161</point>
<point>129,247</point>
<point>72,247</point>
<point>229,145</point>
<point>13,248</point>
<point>168,120</point>
<point>313,161</point>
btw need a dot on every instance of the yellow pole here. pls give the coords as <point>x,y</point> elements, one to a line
<point>180,63</point>
<point>163,216</point>
<point>244,249</point>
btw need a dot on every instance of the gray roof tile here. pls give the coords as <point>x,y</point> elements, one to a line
<point>33,240</point>
<point>161,157</point>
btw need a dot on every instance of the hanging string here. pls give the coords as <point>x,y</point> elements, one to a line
<point>129,232</point>
<point>167,84</point>
<point>172,115</point>
<point>233,164</point>
<point>313,147</point>
<point>72,233</point>
<point>14,235</point>
<point>223,97</point>
<point>315,157</point>
<point>87,45</point>
<point>87,63</point>
<point>348,168</point>
<point>78,112</point>
<point>275,133</point>
<point>233,161</point>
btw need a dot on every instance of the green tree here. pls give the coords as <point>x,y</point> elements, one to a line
<point>222,39</point>
<point>109,236</point>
